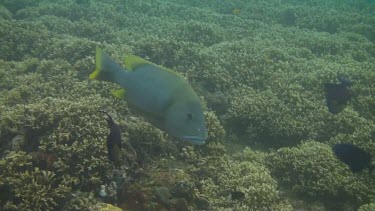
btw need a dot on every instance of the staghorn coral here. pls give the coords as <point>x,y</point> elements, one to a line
<point>367,207</point>
<point>270,77</point>
<point>311,170</point>
<point>31,188</point>
<point>263,117</point>
<point>106,207</point>
<point>201,33</point>
<point>12,164</point>
<point>17,5</point>
<point>253,179</point>
<point>148,141</point>
<point>215,130</point>
<point>308,174</point>
<point>169,53</point>
<point>5,13</point>
<point>77,138</point>
<point>82,201</point>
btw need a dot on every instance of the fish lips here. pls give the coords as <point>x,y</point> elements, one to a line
<point>197,140</point>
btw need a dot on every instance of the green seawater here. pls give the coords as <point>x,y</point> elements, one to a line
<point>259,67</point>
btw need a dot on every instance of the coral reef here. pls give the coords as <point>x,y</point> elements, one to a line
<point>31,188</point>
<point>367,207</point>
<point>311,170</point>
<point>251,178</point>
<point>259,72</point>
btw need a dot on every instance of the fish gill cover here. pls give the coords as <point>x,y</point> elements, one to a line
<point>259,68</point>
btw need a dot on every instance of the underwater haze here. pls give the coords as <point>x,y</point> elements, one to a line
<point>287,88</point>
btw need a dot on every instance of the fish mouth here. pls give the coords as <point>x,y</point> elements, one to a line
<point>195,139</point>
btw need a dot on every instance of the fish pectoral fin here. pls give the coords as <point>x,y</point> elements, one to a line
<point>132,62</point>
<point>120,93</point>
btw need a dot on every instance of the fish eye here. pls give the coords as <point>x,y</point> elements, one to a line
<point>190,116</point>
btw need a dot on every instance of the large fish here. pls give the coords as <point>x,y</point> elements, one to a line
<point>162,96</point>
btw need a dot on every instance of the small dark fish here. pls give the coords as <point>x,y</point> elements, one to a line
<point>337,95</point>
<point>113,139</point>
<point>356,158</point>
<point>237,195</point>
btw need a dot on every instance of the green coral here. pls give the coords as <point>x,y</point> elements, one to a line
<point>202,33</point>
<point>251,178</point>
<point>106,207</point>
<point>17,36</point>
<point>367,207</point>
<point>12,164</point>
<point>16,5</point>
<point>215,130</point>
<point>263,117</point>
<point>311,170</point>
<point>61,127</point>
<point>5,13</point>
<point>147,140</point>
<point>262,72</point>
<point>169,53</point>
<point>32,188</point>
<point>81,201</point>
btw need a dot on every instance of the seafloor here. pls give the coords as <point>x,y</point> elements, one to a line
<point>259,67</point>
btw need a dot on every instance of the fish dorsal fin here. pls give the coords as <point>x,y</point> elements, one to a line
<point>120,93</point>
<point>132,62</point>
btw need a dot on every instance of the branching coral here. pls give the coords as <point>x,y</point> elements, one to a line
<point>205,34</point>
<point>311,170</point>
<point>216,132</point>
<point>31,188</point>
<point>39,189</point>
<point>74,132</point>
<point>264,81</point>
<point>264,117</point>
<point>253,179</point>
<point>367,207</point>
